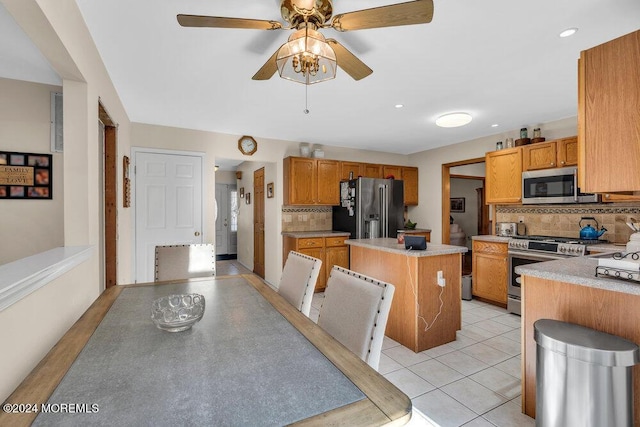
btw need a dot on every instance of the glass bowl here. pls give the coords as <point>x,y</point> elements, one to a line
<point>175,313</point>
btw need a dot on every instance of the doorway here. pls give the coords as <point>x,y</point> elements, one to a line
<point>226,222</point>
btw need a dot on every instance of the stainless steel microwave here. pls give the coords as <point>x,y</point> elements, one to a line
<point>559,185</point>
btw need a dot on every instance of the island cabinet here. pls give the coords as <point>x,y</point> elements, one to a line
<point>609,117</point>
<point>311,181</point>
<point>504,176</point>
<point>418,298</point>
<point>330,250</point>
<point>490,271</point>
<point>552,154</point>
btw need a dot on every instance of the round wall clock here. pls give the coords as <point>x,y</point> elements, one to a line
<point>247,145</point>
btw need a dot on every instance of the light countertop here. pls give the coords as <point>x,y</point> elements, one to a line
<point>491,238</point>
<point>325,233</point>
<point>392,246</point>
<point>579,271</point>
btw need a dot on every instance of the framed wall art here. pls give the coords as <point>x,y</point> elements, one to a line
<point>25,175</point>
<point>457,204</point>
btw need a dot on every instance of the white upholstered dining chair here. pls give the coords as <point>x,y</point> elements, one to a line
<point>298,280</point>
<point>355,312</point>
<point>185,261</point>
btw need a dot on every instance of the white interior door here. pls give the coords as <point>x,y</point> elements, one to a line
<point>168,205</point>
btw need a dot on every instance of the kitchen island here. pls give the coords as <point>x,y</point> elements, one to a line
<point>569,290</point>
<point>423,315</point>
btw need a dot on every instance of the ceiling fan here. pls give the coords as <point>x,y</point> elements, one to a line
<point>308,57</point>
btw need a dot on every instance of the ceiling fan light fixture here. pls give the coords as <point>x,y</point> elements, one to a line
<point>306,58</point>
<point>453,120</point>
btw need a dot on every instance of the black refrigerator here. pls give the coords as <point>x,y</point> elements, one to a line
<point>370,208</point>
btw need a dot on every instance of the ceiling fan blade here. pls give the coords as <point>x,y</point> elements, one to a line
<point>220,22</point>
<point>409,13</point>
<point>349,62</point>
<point>268,69</point>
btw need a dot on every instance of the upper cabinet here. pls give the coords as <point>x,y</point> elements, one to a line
<point>311,181</point>
<point>410,178</point>
<point>609,116</point>
<point>553,154</point>
<point>504,176</point>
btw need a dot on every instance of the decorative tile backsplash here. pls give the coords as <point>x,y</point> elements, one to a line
<point>312,218</point>
<point>563,221</point>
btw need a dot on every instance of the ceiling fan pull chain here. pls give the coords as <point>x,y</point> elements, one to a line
<point>306,99</point>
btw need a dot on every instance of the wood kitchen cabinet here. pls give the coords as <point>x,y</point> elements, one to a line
<point>490,271</point>
<point>348,168</point>
<point>504,176</point>
<point>330,250</point>
<point>410,178</point>
<point>372,170</point>
<point>311,181</point>
<point>552,154</point>
<point>608,116</point>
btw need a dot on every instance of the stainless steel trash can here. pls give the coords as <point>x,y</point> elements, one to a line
<point>583,376</point>
<point>466,288</point>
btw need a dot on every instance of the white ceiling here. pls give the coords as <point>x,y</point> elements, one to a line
<point>500,60</point>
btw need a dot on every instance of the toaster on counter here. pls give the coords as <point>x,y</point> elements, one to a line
<point>507,229</point>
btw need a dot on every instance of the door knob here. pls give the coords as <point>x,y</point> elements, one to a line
<point>197,233</point>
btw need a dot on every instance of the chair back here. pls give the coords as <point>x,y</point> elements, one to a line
<point>355,312</point>
<point>298,280</point>
<point>185,261</point>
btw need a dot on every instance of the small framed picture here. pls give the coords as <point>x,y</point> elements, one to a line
<point>247,198</point>
<point>457,204</point>
<point>270,190</point>
<point>241,192</point>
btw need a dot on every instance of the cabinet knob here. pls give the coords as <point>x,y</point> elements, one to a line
<point>607,196</point>
<point>553,164</point>
<point>562,162</point>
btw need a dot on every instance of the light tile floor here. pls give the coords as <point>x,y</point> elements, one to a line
<point>472,382</point>
<point>230,268</point>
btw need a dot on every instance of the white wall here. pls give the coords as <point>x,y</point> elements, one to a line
<point>428,214</point>
<point>29,227</point>
<point>33,325</point>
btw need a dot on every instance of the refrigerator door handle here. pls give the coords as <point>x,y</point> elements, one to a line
<point>384,190</point>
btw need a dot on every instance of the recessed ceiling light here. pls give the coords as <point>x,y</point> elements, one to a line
<point>495,125</point>
<point>453,120</point>
<point>568,32</point>
<point>399,105</point>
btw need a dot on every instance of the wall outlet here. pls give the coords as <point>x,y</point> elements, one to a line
<point>440,277</point>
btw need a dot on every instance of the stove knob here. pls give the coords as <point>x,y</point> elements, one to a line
<point>563,249</point>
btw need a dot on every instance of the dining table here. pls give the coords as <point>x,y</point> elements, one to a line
<point>252,360</point>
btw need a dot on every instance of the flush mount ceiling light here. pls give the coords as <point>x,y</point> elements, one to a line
<point>453,120</point>
<point>399,105</point>
<point>495,125</point>
<point>568,32</point>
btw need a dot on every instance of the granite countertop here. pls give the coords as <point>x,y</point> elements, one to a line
<point>491,238</point>
<point>578,271</point>
<point>325,233</point>
<point>607,247</point>
<point>392,246</point>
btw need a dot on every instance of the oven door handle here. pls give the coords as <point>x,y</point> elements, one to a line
<point>534,256</point>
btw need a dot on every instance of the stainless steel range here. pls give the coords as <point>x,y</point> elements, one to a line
<point>525,250</point>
